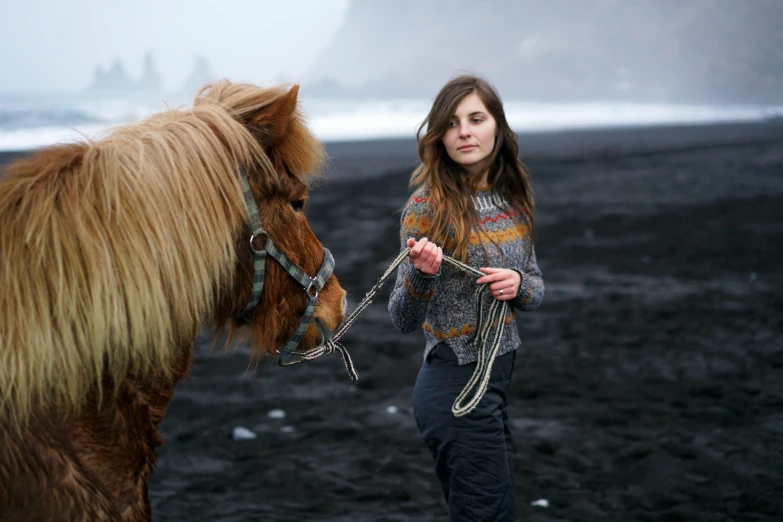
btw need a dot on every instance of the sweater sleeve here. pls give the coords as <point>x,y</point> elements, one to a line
<point>413,290</point>
<point>531,286</point>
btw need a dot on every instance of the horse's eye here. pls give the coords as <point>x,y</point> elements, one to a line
<point>297,204</point>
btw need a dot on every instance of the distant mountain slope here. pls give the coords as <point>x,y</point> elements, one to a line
<point>712,51</point>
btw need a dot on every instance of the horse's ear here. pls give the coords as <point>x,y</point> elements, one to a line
<point>272,121</point>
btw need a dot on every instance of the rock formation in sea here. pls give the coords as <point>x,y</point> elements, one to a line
<point>115,78</point>
<point>112,79</point>
<point>150,78</point>
<point>201,74</point>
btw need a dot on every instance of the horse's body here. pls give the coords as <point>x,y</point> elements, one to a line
<point>112,254</point>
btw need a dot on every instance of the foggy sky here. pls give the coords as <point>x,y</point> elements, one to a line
<point>694,51</point>
<point>51,46</point>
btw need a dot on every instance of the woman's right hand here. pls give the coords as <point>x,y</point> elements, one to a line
<point>425,256</point>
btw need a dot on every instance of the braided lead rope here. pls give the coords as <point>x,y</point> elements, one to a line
<point>332,344</point>
<point>486,357</point>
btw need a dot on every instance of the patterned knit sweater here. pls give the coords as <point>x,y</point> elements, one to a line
<point>444,304</point>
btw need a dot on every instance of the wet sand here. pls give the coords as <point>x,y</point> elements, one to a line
<point>650,386</point>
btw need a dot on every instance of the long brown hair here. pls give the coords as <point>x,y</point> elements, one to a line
<point>449,185</point>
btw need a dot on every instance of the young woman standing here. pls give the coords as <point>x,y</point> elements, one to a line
<point>473,200</point>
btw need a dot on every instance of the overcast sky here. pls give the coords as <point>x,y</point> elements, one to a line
<point>52,45</point>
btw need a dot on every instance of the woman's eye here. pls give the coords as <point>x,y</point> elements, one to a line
<point>297,204</point>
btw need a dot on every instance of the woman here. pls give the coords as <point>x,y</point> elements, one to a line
<point>473,200</point>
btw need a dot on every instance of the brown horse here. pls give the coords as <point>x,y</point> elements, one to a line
<point>112,254</point>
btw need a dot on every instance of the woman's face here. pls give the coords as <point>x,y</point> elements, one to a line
<point>470,136</point>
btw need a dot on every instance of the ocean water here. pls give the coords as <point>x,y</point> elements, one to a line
<point>33,120</point>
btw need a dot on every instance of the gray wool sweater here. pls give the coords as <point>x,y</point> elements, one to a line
<point>443,304</point>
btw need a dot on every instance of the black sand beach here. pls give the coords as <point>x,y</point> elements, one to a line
<point>650,387</point>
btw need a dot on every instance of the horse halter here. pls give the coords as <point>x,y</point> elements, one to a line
<point>312,286</point>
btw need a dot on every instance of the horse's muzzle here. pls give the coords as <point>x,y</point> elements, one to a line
<point>326,333</point>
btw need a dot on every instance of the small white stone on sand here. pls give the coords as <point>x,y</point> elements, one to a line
<point>287,429</point>
<point>242,433</point>
<point>276,414</point>
<point>391,409</point>
<point>541,502</point>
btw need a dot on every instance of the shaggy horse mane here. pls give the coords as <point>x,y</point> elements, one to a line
<point>114,251</point>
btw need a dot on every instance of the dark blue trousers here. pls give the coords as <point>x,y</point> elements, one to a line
<point>474,458</point>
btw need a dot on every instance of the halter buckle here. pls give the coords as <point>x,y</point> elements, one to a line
<point>310,287</point>
<point>252,240</point>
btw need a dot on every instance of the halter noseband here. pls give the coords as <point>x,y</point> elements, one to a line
<point>312,286</point>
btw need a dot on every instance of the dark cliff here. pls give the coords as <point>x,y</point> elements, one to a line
<point>703,51</point>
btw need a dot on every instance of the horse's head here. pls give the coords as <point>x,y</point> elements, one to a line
<point>289,156</point>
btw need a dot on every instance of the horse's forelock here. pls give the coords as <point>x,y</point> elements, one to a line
<point>298,149</point>
<point>302,153</point>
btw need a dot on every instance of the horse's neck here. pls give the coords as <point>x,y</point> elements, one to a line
<point>155,389</point>
<point>94,463</point>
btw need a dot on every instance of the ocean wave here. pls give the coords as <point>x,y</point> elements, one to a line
<point>27,118</point>
<point>26,126</point>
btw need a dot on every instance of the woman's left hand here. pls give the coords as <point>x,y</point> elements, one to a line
<point>504,283</point>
